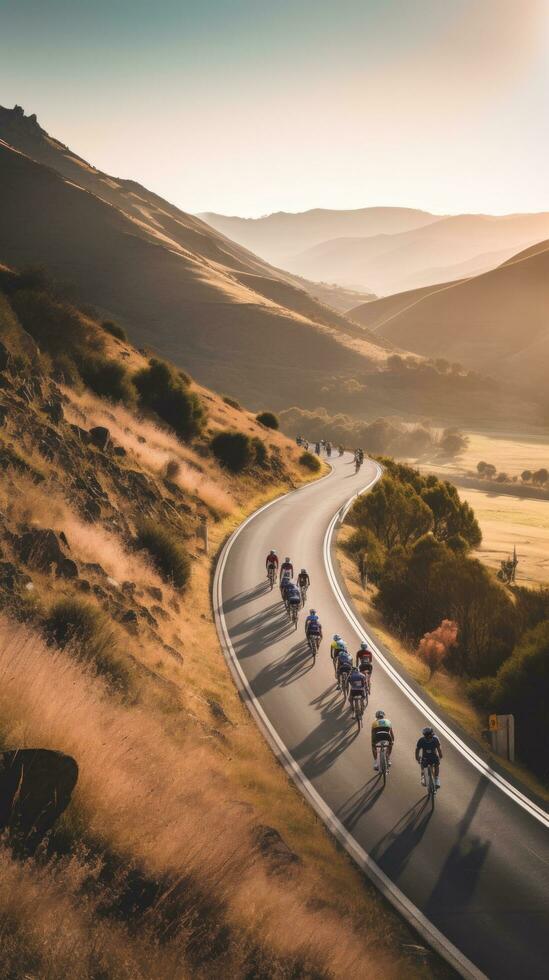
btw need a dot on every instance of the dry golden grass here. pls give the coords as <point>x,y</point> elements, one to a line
<point>170,807</point>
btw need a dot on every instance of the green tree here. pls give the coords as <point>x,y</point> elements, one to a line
<point>395,513</point>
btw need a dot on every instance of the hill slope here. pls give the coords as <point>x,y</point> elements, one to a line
<point>496,322</point>
<point>446,249</point>
<point>184,288</point>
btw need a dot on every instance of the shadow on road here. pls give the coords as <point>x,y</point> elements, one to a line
<point>285,670</point>
<point>394,850</point>
<point>360,802</point>
<point>458,878</point>
<point>241,598</point>
<point>320,749</point>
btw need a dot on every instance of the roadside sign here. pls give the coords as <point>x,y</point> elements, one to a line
<point>493,723</point>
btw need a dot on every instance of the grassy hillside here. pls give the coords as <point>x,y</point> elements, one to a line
<point>496,321</point>
<point>184,851</point>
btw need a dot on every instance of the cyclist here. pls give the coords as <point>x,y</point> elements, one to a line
<point>357,686</point>
<point>336,640</point>
<point>271,559</point>
<point>311,618</point>
<point>382,731</point>
<point>286,569</point>
<point>293,597</point>
<point>286,588</point>
<point>429,752</point>
<point>364,663</point>
<point>314,628</point>
<point>303,579</point>
<point>344,666</point>
<point>317,448</point>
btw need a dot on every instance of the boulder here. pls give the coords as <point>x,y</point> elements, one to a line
<point>35,788</point>
<point>120,451</point>
<point>130,617</point>
<point>67,568</point>
<point>41,548</point>
<point>100,437</point>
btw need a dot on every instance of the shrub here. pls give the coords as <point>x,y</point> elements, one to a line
<point>260,451</point>
<point>86,630</point>
<point>435,646</point>
<point>395,513</point>
<point>167,552</point>
<point>115,330</point>
<point>309,461</point>
<point>268,419</point>
<point>232,402</point>
<point>365,549</point>
<point>55,326</point>
<point>165,391</point>
<point>233,449</point>
<point>107,378</point>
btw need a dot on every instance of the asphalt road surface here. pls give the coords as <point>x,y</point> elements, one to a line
<point>477,866</point>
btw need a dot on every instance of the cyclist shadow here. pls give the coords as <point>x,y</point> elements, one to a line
<point>394,850</point>
<point>287,669</point>
<point>329,703</point>
<point>361,801</point>
<point>332,743</point>
<point>260,631</point>
<point>241,598</point>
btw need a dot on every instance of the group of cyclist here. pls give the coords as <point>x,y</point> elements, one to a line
<point>353,675</point>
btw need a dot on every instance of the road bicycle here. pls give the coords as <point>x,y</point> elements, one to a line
<point>430,782</point>
<point>345,684</point>
<point>383,759</point>
<point>271,575</point>
<point>358,705</point>
<point>303,591</point>
<point>294,614</point>
<point>313,640</point>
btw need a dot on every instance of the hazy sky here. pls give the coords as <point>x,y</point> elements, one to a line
<point>252,106</point>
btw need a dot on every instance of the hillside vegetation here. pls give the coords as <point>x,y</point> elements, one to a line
<point>183,850</point>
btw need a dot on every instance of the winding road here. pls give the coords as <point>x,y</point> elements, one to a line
<point>472,875</point>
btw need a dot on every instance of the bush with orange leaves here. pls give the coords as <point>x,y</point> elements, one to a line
<point>435,646</point>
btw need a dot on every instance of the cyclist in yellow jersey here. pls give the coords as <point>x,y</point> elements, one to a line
<point>382,731</point>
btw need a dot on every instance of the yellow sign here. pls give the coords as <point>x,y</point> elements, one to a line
<point>493,723</point>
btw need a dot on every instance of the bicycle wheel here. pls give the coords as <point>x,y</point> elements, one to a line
<point>383,763</point>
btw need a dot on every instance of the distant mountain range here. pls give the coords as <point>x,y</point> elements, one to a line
<point>385,250</point>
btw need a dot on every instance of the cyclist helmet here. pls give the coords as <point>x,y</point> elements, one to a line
<point>363,646</point>
<point>380,714</point>
<point>336,637</point>
<point>272,552</point>
<point>287,559</point>
<point>428,732</point>
<point>303,571</point>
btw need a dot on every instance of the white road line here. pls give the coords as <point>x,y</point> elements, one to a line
<point>389,890</point>
<point>531,808</point>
